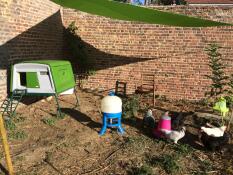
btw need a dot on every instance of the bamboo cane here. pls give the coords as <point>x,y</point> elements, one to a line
<point>6,146</point>
<point>229,124</point>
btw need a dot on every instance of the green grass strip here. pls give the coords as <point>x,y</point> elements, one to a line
<point>128,12</point>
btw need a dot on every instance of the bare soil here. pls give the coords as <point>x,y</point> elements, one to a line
<point>48,145</point>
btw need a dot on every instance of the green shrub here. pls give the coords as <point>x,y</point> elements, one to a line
<point>217,76</point>
<point>130,107</point>
<point>78,50</point>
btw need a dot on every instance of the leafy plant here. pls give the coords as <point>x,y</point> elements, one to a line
<point>17,135</point>
<point>130,107</point>
<point>49,121</point>
<point>10,125</point>
<point>218,76</point>
<point>78,50</point>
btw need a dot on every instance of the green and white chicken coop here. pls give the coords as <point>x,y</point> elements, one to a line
<point>43,78</point>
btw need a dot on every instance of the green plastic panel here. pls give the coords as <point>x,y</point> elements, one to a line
<point>32,80</point>
<point>63,77</point>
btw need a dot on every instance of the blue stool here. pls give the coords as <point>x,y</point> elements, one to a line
<point>111,120</point>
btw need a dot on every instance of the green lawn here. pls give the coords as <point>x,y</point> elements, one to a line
<point>122,11</point>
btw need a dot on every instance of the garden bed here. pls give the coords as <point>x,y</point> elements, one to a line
<point>43,144</point>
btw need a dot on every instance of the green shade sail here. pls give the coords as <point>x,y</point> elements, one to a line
<point>128,12</point>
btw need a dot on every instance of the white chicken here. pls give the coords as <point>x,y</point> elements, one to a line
<point>175,135</point>
<point>215,132</point>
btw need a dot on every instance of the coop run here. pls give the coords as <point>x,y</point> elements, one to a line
<point>40,78</point>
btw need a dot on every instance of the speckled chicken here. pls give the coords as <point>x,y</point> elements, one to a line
<point>149,119</point>
<point>175,136</point>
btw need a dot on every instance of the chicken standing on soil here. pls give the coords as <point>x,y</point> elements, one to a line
<point>214,143</point>
<point>149,119</point>
<point>175,135</point>
<point>215,132</point>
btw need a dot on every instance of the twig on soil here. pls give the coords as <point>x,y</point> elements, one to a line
<point>50,164</point>
<point>106,159</point>
<point>112,153</point>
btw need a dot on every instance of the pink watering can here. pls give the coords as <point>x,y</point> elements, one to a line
<point>164,125</point>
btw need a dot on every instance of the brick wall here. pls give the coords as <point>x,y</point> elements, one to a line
<point>120,50</point>
<point>215,13</point>
<point>124,50</point>
<point>29,30</point>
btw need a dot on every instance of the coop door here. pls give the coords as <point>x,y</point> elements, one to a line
<point>32,80</point>
<point>29,79</point>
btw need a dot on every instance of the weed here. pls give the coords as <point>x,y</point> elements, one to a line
<point>183,149</point>
<point>206,166</point>
<point>143,170</point>
<point>49,121</point>
<point>18,119</point>
<point>168,162</point>
<point>10,125</point>
<point>17,135</point>
<point>60,115</point>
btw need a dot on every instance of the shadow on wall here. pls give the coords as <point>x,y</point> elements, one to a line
<point>42,41</point>
<point>46,41</point>
<point>85,57</point>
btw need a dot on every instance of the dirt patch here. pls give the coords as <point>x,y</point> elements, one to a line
<point>72,145</point>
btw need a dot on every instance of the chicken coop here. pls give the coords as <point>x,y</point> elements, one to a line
<point>40,78</point>
<point>43,77</point>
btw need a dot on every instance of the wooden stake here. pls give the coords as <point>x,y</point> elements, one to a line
<point>229,124</point>
<point>6,146</point>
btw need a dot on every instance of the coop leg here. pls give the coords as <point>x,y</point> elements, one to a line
<point>59,114</point>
